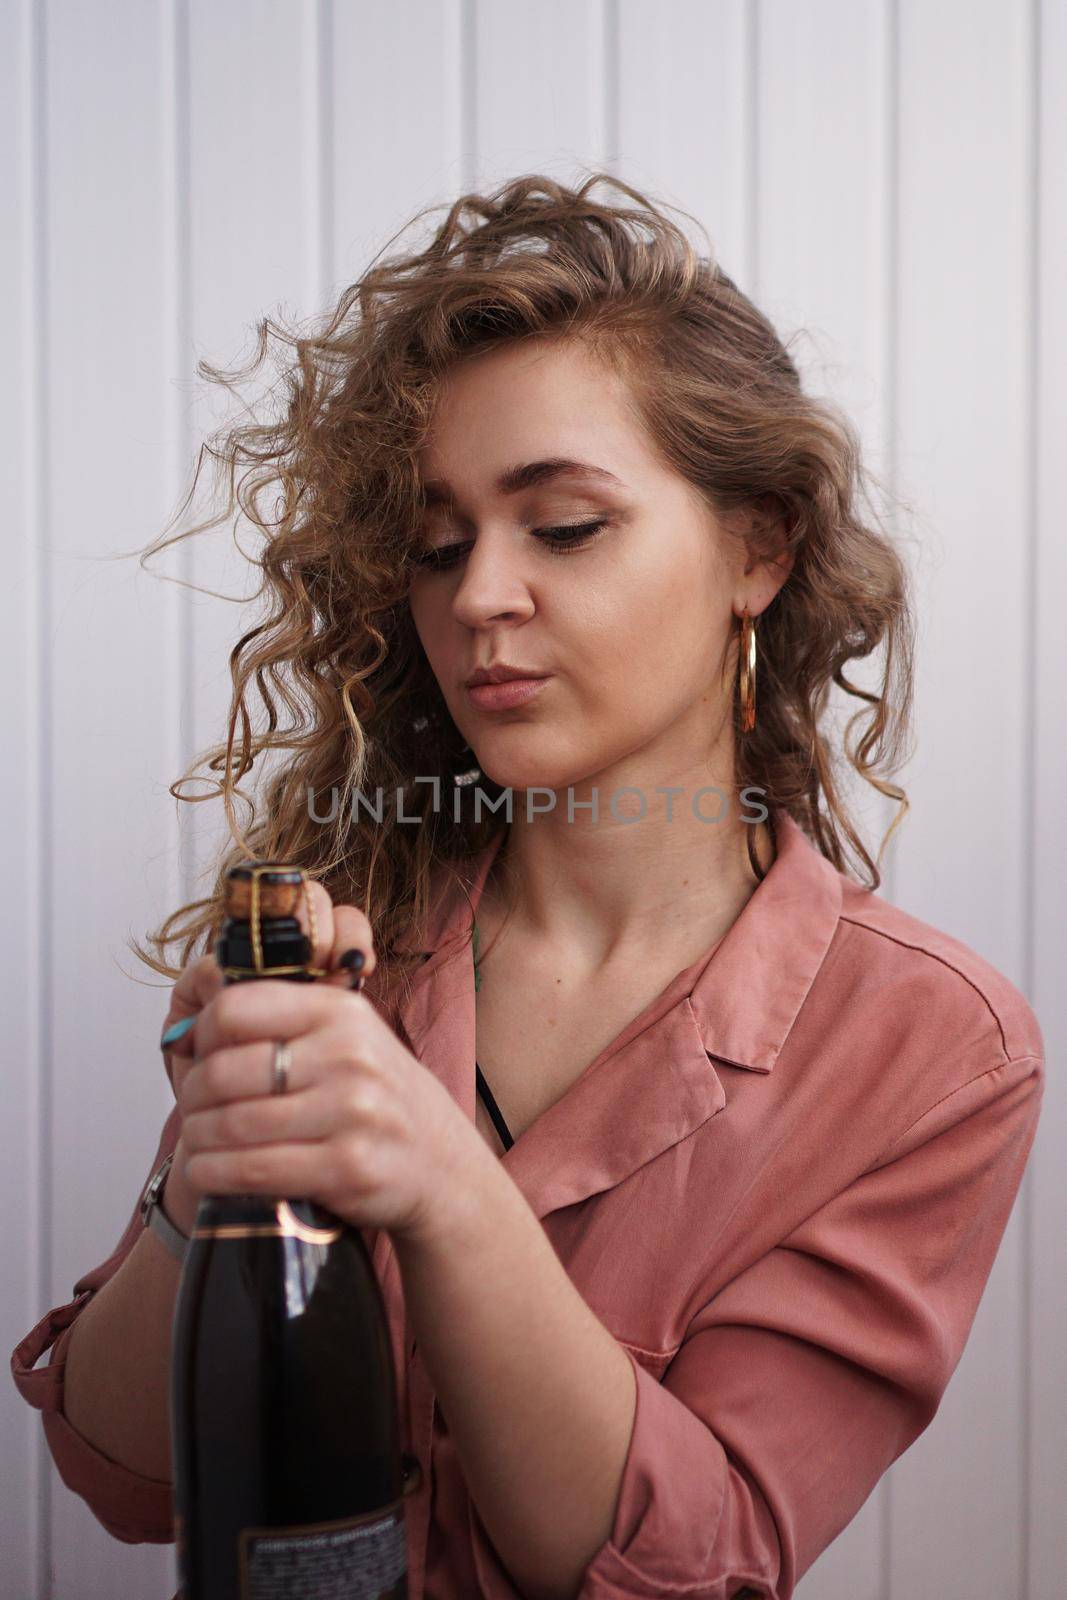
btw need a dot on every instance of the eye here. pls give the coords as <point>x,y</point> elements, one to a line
<point>559,540</point>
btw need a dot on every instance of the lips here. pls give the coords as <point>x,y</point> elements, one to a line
<point>507,693</point>
<point>502,674</point>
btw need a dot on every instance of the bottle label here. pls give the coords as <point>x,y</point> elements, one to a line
<point>360,1558</point>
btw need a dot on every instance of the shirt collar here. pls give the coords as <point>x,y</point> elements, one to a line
<point>657,1083</point>
<point>747,1000</point>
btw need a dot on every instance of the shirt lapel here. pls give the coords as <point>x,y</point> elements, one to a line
<point>657,1082</point>
<point>651,1087</point>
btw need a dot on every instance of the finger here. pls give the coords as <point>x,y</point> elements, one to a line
<point>262,1119</point>
<point>298,1170</point>
<point>198,983</point>
<point>269,1008</point>
<point>318,922</point>
<point>246,1071</point>
<point>352,931</point>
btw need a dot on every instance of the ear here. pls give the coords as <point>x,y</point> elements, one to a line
<point>770,557</point>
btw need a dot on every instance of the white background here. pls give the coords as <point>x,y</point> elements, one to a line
<point>886,179</point>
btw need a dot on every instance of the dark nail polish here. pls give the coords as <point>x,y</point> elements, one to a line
<point>354,961</point>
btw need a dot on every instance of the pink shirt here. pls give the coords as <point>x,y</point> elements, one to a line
<point>781,1188</point>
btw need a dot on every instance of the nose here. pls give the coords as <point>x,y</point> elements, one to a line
<point>493,586</point>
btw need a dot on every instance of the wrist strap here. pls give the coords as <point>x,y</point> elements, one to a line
<point>175,1240</point>
<point>155,1217</point>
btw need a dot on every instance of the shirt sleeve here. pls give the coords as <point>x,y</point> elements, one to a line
<point>132,1508</point>
<point>799,1383</point>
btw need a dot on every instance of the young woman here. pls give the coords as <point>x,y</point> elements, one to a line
<point>683,1154</point>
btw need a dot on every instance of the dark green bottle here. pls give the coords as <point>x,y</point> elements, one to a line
<point>288,1473</point>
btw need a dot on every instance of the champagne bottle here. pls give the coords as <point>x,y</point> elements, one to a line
<point>288,1476</point>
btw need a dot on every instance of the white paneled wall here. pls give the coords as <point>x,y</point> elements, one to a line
<point>886,178</point>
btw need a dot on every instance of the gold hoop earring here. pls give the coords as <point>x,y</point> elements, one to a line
<point>748,673</point>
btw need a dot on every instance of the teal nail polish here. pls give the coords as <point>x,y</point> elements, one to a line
<point>176,1031</point>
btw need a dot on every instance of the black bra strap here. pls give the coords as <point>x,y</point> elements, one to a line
<point>493,1109</point>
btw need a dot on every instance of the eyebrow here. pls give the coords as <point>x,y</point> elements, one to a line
<point>529,476</point>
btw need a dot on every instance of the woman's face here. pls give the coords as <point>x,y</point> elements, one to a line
<point>629,622</point>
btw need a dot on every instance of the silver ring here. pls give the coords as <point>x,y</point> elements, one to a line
<point>283,1060</point>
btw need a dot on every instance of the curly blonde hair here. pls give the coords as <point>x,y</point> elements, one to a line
<point>722,400</point>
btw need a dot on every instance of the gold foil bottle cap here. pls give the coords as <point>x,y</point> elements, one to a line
<point>261,934</point>
<point>276,888</point>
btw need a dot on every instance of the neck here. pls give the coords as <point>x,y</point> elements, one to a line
<point>607,891</point>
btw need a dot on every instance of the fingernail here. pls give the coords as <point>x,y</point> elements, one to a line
<point>354,960</point>
<point>176,1031</point>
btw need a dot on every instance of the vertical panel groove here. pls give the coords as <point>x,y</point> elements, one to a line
<point>181,225</point>
<point>612,79</point>
<point>1032,356</point>
<point>468,92</point>
<point>891,417</point>
<point>174,77</point>
<point>38,690</point>
<point>175,224</point>
<point>324,126</point>
<point>751,35</point>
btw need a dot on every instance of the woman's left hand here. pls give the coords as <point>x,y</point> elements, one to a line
<point>363,1128</point>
